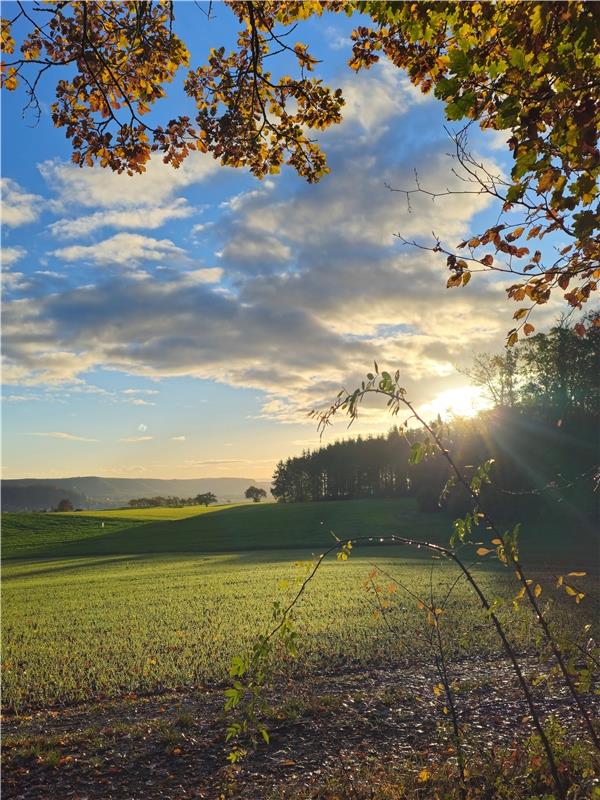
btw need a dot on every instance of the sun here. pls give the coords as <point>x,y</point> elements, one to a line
<point>465,401</point>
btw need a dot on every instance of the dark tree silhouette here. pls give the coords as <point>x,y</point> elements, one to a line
<point>255,494</point>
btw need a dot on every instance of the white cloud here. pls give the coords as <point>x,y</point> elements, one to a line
<point>122,248</point>
<point>10,255</point>
<point>61,435</point>
<point>18,207</point>
<point>318,287</point>
<point>49,273</point>
<point>142,427</point>
<point>134,439</point>
<point>20,398</point>
<point>140,391</point>
<point>141,217</point>
<point>376,95</point>
<point>178,438</point>
<point>207,275</point>
<point>93,187</point>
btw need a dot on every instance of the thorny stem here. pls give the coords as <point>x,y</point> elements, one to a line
<point>450,554</point>
<point>396,399</point>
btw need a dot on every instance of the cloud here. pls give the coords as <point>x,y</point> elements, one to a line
<point>375,96</point>
<point>314,284</point>
<point>61,435</point>
<point>142,427</point>
<point>141,391</point>
<point>18,207</point>
<point>90,187</point>
<point>10,255</point>
<point>205,275</point>
<point>178,438</point>
<point>133,439</point>
<point>141,217</point>
<point>123,248</point>
<point>20,398</point>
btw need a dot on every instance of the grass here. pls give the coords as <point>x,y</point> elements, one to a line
<point>271,526</point>
<point>94,627</point>
<point>141,605</point>
<point>153,514</point>
<point>215,529</point>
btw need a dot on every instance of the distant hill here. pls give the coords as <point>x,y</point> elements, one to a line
<point>38,497</point>
<point>35,494</point>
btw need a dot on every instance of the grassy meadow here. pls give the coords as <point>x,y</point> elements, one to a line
<point>147,604</point>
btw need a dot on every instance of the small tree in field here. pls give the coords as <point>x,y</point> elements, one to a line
<point>205,499</point>
<point>65,505</point>
<point>255,494</point>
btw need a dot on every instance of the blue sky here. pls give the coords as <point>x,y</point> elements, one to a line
<point>182,323</point>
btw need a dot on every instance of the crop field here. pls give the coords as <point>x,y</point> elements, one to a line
<point>106,617</point>
<point>79,628</point>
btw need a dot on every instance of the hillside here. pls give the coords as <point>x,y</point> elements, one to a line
<point>273,526</point>
<point>31,494</point>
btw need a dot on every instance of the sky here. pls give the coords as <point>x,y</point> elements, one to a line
<point>182,323</point>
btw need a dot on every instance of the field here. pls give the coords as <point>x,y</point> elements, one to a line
<point>216,529</point>
<point>119,628</point>
<point>105,605</point>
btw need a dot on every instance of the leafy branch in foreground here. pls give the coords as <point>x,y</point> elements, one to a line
<point>528,69</point>
<point>248,698</point>
<point>504,543</point>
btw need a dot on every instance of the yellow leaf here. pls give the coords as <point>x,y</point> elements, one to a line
<point>466,278</point>
<point>483,551</point>
<point>496,541</point>
<point>577,574</point>
<point>538,590</point>
<point>424,775</point>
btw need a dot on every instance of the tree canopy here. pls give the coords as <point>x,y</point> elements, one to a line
<point>254,493</point>
<point>529,69</point>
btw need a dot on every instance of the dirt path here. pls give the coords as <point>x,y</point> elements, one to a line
<point>172,746</point>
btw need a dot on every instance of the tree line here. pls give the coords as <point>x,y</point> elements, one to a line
<point>204,499</point>
<point>546,394</point>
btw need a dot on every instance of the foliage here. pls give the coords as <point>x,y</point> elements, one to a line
<point>511,772</point>
<point>542,471</point>
<point>529,69</point>
<point>505,545</point>
<point>204,499</point>
<point>255,494</point>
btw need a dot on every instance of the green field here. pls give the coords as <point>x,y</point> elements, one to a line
<point>216,529</point>
<point>137,605</point>
<point>271,526</point>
